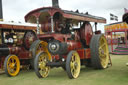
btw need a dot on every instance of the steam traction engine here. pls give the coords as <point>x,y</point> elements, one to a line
<point>15,41</point>
<point>68,41</point>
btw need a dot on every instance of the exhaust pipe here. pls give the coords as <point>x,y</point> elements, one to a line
<point>1,11</point>
<point>55,3</point>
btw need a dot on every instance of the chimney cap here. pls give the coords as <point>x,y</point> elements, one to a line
<point>55,3</point>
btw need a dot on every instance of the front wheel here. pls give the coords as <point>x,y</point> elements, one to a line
<point>12,65</point>
<point>73,64</point>
<point>41,69</point>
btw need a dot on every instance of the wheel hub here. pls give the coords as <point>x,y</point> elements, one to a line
<point>12,65</point>
<point>102,51</point>
<point>75,65</point>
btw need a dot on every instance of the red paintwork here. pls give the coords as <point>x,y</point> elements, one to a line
<point>55,57</point>
<point>24,55</point>
<point>21,52</point>
<point>63,20</point>
<point>73,45</point>
<point>86,33</point>
<point>2,62</point>
<point>84,53</point>
<point>37,13</point>
<point>81,53</point>
<point>57,36</point>
<point>14,50</point>
<point>13,26</point>
<point>46,26</point>
<point>88,53</point>
<point>52,11</point>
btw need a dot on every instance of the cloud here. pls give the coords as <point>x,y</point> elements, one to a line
<point>16,9</point>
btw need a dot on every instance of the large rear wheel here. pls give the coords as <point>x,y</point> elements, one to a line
<point>12,65</point>
<point>73,64</point>
<point>99,51</point>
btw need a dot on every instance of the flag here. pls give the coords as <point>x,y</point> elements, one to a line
<point>113,17</point>
<point>125,10</point>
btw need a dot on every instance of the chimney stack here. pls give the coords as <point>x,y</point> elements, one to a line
<point>1,12</point>
<point>55,3</point>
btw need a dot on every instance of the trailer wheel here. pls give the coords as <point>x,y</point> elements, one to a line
<point>12,65</point>
<point>73,64</point>
<point>99,51</point>
<point>40,67</point>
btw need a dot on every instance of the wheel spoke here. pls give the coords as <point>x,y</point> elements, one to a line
<point>73,58</point>
<point>72,65</point>
<point>13,65</point>
<point>72,71</point>
<point>12,60</point>
<point>103,62</point>
<point>43,69</point>
<point>46,71</point>
<point>75,72</point>
<point>101,46</point>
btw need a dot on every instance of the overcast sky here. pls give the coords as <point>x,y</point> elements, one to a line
<point>15,10</point>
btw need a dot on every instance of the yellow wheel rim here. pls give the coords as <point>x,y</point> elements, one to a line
<point>103,52</point>
<point>75,65</point>
<point>13,65</point>
<point>43,47</point>
<point>43,69</point>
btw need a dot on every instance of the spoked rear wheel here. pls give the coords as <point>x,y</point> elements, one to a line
<point>40,67</point>
<point>99,52</point>
<point>12,65</point>
<point>73,64</point>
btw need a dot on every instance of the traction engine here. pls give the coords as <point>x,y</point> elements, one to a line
<point>15,41</point>
<point>68,41</point>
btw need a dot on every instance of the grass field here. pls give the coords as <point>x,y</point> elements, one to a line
<point>115,75</point>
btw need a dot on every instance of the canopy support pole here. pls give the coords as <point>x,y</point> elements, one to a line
<point>38,27</point>
<point>52,24</point>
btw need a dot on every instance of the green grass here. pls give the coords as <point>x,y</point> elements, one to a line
<point>115,75</point>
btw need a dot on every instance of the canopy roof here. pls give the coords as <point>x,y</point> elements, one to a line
<point>116,27</point>
<point>18,26</point>
<point>41,13</point>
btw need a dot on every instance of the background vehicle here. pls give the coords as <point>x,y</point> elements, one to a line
<point>15,41</point>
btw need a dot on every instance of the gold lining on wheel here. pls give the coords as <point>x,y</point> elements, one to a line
<point>75,65</point>
<point>43,47</point>
<point>13,65</point>
<point>103,52</point>
<point>43,69</point>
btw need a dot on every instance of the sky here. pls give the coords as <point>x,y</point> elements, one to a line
<point>15,10</point>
